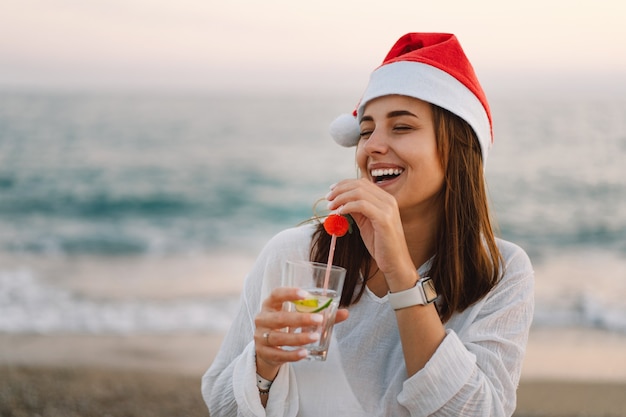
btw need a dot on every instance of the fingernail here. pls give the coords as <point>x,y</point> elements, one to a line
<point>303,353</point>
<point>317,318</point>
<point>332,186</point>
<point>313,337</point>
<point>302,294</point>
<point>327,196</point>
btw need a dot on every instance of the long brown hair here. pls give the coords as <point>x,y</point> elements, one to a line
<point>467,262</point>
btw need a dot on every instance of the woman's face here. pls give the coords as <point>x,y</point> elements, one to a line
<point>398,151</point>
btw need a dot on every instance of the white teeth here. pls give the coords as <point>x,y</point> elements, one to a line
<point>385,171</point>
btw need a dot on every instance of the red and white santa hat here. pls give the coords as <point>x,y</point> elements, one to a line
<point>431,67</point>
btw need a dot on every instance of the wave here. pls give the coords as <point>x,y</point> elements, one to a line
<point>584,310</point>
<point>118,175</point>
<point>100,206</point>
<point>29,306</point>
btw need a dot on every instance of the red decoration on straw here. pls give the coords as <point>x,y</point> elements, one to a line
<point>335,225</point>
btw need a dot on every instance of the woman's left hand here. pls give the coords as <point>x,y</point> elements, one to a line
<point>376,213</point>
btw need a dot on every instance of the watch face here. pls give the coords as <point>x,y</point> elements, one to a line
<point>429,290</point>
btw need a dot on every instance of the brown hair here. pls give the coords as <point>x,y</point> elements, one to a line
<point>467,262</point>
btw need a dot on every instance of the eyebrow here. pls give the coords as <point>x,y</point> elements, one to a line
<point>391,115</point>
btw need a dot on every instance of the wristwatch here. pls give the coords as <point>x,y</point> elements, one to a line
<point>263,385</point>
<point>421,294</point>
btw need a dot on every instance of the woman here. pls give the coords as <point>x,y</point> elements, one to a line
<point>422,131</point>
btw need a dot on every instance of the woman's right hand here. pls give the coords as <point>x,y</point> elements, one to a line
<point>269,337</point>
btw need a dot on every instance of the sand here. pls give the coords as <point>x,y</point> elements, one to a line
<point>28,391</point>
<point>569,372</point>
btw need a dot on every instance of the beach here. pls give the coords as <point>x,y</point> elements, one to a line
<point>567,372</point>
<point>123,251</point>
<point>68,371</point>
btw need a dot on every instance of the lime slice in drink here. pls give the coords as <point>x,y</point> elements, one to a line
<point>312,305</point>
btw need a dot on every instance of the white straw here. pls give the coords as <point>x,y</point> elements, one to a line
<point>331,253</point>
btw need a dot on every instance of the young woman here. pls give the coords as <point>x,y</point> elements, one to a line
<point>422,131</point>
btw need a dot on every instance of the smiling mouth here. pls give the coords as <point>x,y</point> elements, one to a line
<point>385,174</point>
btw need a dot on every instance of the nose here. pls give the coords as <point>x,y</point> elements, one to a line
<point>376,143</point>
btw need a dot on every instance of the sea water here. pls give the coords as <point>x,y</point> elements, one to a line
<point>143,212</point>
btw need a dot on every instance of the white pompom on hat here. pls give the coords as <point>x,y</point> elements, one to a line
<point>431,67</point>
<point>344,129</point>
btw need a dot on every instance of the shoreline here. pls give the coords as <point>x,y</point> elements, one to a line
<point>574,354</point>
<point>566,371</point>
<point>181,354</point>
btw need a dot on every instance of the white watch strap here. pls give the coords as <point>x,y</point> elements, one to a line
<point>411,297</point>
<point>262,383</point>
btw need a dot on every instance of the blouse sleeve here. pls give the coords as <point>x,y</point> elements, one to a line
<point>229,385</point>
<point>475,371</point>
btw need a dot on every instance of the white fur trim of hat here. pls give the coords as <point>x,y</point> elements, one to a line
<point>432,68</point>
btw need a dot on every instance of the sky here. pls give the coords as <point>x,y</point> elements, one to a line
<point>302,46</point>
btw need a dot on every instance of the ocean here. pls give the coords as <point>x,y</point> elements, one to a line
<point>141,213</point>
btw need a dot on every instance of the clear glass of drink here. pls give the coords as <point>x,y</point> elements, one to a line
<point>324,286</point>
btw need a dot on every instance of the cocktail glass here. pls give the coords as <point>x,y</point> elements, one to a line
<point>324,286</point>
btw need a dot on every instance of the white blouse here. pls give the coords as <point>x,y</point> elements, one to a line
<point>474,372</point>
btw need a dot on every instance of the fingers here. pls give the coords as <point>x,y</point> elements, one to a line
<point>374,210</point>
<point>281,294</point>
<point>377,215</point>
<point>270,335</point>
<point>276,320</point>
<point>270,357</point>
<point>273,317</point>
<point>342,315</point>
<point>273,344</point>
<point>270,344</point>
<point>274,339</point>
<point>360,196</point>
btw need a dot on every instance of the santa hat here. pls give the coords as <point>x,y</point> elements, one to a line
<point>431,67</point>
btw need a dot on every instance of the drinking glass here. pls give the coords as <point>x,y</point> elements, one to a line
<point>324,286</point>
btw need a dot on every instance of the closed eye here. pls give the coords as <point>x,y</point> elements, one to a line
<point>402,128</point>
<point>365,134</point>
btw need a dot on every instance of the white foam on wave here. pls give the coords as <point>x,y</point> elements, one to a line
<point>583,288</point>
<point>29,305</point>
<point>200,294</point>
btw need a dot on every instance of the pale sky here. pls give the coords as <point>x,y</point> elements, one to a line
<point>294,45</point>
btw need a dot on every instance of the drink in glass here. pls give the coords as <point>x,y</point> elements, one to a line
<point>324,287</point>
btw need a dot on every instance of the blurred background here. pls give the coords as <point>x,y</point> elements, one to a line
<point>149,149</point>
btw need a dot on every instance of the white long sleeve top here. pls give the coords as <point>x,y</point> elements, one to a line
<point>474,372</point>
